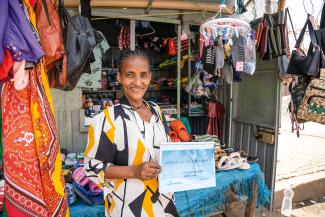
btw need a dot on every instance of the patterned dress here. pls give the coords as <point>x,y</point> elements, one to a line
<point>118,136</point>
<point>34,185</point>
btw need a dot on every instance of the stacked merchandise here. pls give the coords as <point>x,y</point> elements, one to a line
<point>77,183</point>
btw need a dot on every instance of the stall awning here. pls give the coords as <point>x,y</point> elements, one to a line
<point>168,11</point>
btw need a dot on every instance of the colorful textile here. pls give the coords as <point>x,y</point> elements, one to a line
<point>118,136</point>
<point>32,165</point>
<point>16,33</point>
<point>206,201</point>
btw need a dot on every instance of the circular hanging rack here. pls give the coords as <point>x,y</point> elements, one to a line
<point>224,26</point>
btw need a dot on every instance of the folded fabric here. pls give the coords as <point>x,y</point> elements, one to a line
<point>71,193</point>
<point>16,33</point>
<point>87,195</point>
<point>71,159</point>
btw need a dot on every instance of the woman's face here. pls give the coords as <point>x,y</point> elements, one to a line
<point>134,77</point>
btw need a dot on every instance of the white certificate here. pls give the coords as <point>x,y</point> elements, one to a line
<point>186,166</point>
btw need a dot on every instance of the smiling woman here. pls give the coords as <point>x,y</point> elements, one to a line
<point>123,147</point>
<point>135,76</point>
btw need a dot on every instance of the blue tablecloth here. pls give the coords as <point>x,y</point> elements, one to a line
<point>205,201</point>
<point>80,209</point>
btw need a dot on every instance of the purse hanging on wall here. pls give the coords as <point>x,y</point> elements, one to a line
<point>272,35</point>
<point>312,107</point>
<point>300,63</point>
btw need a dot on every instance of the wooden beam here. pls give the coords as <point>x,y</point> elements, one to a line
<point>112,15</point>
<point>157,4</point>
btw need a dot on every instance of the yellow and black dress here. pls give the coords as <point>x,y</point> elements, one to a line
<point>118,136</point>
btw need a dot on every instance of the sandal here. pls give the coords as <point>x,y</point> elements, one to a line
<point>245,166</point>
<point>180,130</point>
<point>173,136</point>
<point>227,163</point>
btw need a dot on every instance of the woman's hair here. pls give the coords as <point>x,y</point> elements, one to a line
<point>130,53</point>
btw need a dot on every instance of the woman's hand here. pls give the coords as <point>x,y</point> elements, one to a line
<point>147,171</point>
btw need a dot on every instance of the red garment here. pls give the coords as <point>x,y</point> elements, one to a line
<point>6,65</point>
<point>32,2</point>
<point>216,114</point>
<point>124,38</point>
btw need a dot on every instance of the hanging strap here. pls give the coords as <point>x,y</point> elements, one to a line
<point>312,34</point>
<point>47,11</point>
<point>287,13</point>
<point>322,18</point>
<point>65,17</point>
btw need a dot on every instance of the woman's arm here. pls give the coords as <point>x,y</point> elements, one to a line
<point>145,171</point>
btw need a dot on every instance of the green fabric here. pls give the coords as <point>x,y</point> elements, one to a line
<point>318,109</point>
<point>186,122</point>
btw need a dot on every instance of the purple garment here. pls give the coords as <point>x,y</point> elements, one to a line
<point>3,24</point>
<point>18,36</point>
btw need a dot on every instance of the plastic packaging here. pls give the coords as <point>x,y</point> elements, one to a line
<point>286,208</point>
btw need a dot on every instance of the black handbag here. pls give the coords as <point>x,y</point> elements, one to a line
<point>79,42</point>
<point>301,64</point>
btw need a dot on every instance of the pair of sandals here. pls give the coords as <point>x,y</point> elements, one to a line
<point>233,161</point>
<point>85,188</point>
<point>179,132</point>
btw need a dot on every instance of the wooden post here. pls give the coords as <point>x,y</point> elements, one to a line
<point>179,71</point>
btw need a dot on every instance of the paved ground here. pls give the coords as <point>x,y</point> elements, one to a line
<point>298,157</point>
<point>301,164</point>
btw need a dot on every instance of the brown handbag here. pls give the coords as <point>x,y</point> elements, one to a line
<point>49,27</point>
<point>312,107</point>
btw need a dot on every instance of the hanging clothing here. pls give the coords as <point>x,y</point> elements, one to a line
<point>16,33</point>
<point>6,65</point>
<point>209,58</point>
<point>118,136</point>
<point>93,80</point>
<point>220,60</point>
<point>124,38</point>
<point>238,57</point>
<point>32,166</point>
<point>216,113</point>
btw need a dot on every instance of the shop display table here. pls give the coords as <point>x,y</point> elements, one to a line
<point>202,202</point>
<point>236,182</point>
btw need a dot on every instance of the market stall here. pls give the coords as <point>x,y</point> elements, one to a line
<point>206,79</point>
